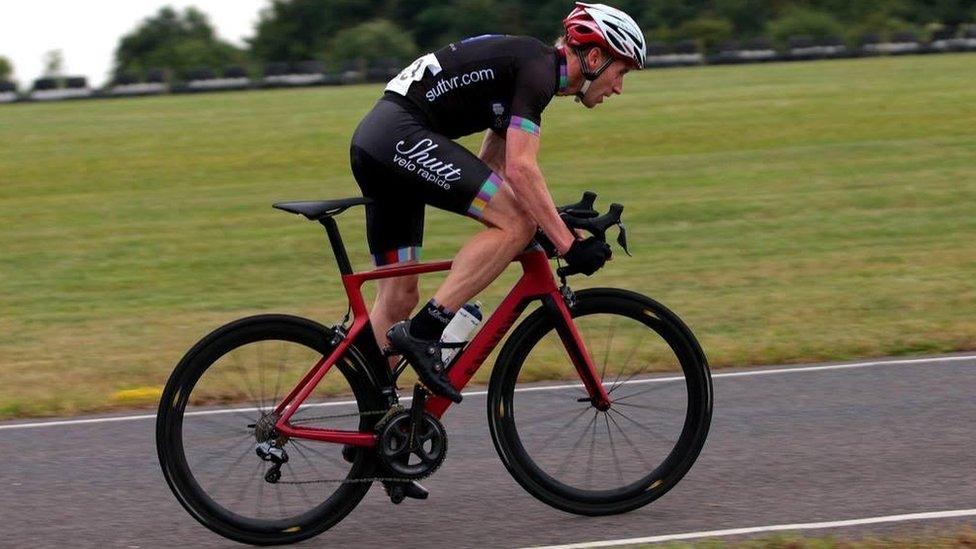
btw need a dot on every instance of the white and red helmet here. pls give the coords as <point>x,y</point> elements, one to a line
<point>609,28</point>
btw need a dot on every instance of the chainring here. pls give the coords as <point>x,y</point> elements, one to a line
<point>417,459</point>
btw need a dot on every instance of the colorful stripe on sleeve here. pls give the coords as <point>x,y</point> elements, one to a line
<point>397,256</point>
<point>481,200</point>
<point>563,70</point>
<point>525,125</point>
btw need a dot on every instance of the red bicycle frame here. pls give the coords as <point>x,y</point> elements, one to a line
<point>537,282</point>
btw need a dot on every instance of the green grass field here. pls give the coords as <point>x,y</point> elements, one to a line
<point>788,212</point>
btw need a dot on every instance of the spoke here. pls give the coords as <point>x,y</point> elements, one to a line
<point>257,503</point>
<point>248,414</point>
<point>555,432</point>
<point>234,444</point>
<point>333,459</point>
<point>642,426</point>
<point>228,470</point>
<point>606,356</point>
<point>656,386</point>
<point>633,446</point>
<point>589,461</point>
<point>236,367</point>
<point>633,351</point>
<point>572,451</point>
<point>643,406</point>
<point>310,464</point>
<point>561,413</point>
<point>624,382</point>
<point>261,370</point>
<point>613,448</point>
<point>281,502</point>
<point>223,425</point>
<point>301,487</point>
<point>277,386</point>
<point>250,480</point>
<point>209,457</point>
<point>613,384</point>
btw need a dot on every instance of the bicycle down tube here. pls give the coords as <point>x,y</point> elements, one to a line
<point>536,283</point>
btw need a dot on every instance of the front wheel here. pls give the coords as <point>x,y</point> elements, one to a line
<point>575,457</point>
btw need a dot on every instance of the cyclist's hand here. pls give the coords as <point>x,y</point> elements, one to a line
<point>587,256</point>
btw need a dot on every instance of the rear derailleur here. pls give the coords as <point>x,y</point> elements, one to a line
<point>270,447</point>
<point>269,451</point>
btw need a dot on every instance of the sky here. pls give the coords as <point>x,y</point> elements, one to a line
<point>88,31</point>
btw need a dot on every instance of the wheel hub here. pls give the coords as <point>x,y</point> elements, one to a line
<point>264,429</point>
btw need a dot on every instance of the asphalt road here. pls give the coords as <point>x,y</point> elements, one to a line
<point>790,445</point>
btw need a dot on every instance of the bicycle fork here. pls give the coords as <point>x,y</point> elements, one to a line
<point>558,305</point>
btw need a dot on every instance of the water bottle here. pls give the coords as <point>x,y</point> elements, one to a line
<point>464,323</point>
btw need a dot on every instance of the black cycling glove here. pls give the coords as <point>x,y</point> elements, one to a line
<point>587,256</point>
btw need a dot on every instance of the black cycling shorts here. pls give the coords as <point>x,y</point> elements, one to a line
<point>402,165</point>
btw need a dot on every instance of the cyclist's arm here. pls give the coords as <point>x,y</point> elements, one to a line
<point>493,152</point>
<point>525,177</point>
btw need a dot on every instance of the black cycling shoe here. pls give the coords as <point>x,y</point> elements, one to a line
<point>404,489</point>
<point>425,357</point>
<point>397,490</point>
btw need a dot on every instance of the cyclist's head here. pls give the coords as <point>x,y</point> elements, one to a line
<point>607,28</point>
<point>606,41</point>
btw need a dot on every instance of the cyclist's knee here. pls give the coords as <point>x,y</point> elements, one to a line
<point>505,212</point>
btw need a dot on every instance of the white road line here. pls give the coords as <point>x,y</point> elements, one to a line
<point>772,528</point>
<point>721,375</point>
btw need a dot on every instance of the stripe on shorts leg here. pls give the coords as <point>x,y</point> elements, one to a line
<point>481,200</point>
<point>398,255</point>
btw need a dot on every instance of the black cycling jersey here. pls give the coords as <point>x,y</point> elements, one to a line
<point>484,82</point>
<point>402,153</point>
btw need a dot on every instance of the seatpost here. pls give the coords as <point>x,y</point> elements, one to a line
<point>332,229</point>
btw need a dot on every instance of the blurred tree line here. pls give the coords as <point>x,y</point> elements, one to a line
<point>6,68</point>
<point>371,30</point>
<point>178,42</point>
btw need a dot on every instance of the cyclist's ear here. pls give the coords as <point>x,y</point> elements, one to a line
<point>594,58</point>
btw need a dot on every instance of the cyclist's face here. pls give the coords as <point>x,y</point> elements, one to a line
<point>611,82</point>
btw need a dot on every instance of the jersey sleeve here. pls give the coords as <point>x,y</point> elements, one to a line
<point>535,86</point>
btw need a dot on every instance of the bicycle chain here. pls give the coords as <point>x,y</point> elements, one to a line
<point>307,419</point>
<point>387,414</point>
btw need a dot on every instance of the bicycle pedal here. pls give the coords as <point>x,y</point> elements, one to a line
<point>396,494</point>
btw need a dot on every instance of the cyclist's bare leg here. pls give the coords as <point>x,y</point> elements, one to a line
<point>483,258</point>
<point>395,300</point>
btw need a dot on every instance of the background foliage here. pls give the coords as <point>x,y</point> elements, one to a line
<point>179,42</point>
<point>6,68</point>
<point>368,30</point>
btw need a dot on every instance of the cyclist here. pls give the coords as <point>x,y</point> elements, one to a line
<point>404,157</point>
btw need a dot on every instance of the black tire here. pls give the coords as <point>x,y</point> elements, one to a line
<point>541,411</point>
<point>327,503</point>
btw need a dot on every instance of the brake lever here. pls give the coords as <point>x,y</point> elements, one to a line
<point>583,208</point>
<point>598,226</point>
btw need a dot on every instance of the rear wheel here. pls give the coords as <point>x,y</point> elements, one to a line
<point>566,452</point>
<point>218,408</point>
